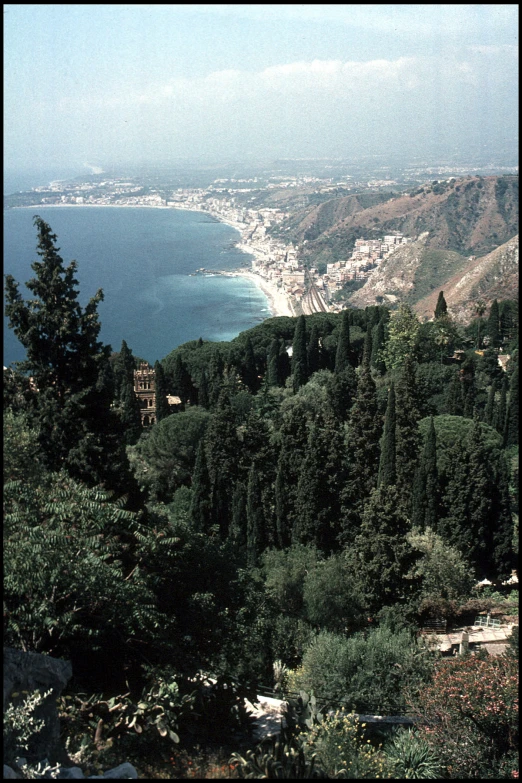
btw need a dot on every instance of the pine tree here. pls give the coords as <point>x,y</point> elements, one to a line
<point>343,352</point>
<point>294,437</point>
<point>313,351</point>
<point>222,449</point>
<point>238,525</point>
<point>469,387</point>
<point>181,380</point>
<point>162,405</point>
<point>480,499</point>
<point>387,460</point>
<point>340,391</point>
<point>123,369</point>
<point>510,433</point>
<point>493,325</point>
<point>67,362</point>
<point>299,357</point>
<point>441,308</point>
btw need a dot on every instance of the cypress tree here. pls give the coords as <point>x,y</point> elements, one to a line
<point>500,417</point>
<point>407,430</point>
<point>285,368</point>
<point>378,340</point>
<point>181,380</point>
<point>123,369</point>
<point>273,364</point>
<point>249,369</point>
<point>425,498</point>
<point>493,325</point>
<point>203,397</point>
<point>441,308</point>
<point>200,512</point>
<point>503,559</point>
<point>367,351</point>
<point>480,498</point>
<point>387,459</point>
<point>256,540</point>
<point>469,387</point>
<point>489,413</point>
<point>510,433</point>
<point>299,357</point>
<point>215,377</point>
<point>162,406</point>
<point>322,475</point>
<point>313,351</point>
<point>283,528</point>
<point>129,412</point>
<point>222,449</point>
<point>343,352</point>
<point>238,525</point>
<point>454,396</point>
<point>340,392</point>
<point>365,429</point>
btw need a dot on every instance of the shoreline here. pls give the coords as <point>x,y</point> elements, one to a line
<point>279,303</point>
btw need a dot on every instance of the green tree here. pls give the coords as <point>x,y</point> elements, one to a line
<point>407,431</point>
<point>274,378</point>
<point>493,325</point>
<point>162,405</point>
<point>378,342</point>
<point>343,352</point>
<point>200,501</point>
<point>441,308</point>
<point>364,433</point>
<point>387,459</point>
<point>299,355</point>
<point>510,434</point>
<point>313,351</point>
<point>480,309</point>
<point>403,327</point>
<point>78,430</point>
<point>256,540</point>
<point>500,415</point>
<point>249,372</point>
<point>425,497</point>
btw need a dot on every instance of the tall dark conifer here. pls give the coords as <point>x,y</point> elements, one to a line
<point>162,405</point>
<point>489,413</point>
<point>387,460</point>
<point>407,429</point>
<point>222,449</point>
<point>299,354</point>
<point>378,340</point>
<point>510,433</point>
<point>273,363</point>
<point>500,415</point>
<point>454,397</point>
<point>425,496</point>
<point>249,373</point>
<point>493,325</point>
<point>203,396</point>
<point>256,538</point>
<point>200,511</point>
<point>313,351</point>
<point>344,351</point>
<point>365,430</point>
<point>441,308</point>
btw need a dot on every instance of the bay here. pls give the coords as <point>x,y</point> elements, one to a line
<point>143,259</point>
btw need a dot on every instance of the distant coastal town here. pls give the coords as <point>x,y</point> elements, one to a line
<point>290,287</point>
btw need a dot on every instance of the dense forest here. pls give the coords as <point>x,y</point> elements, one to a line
<point>331,484</point>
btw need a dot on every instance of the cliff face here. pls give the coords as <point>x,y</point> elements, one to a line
<point>494,276</point>
<point>469,216</point>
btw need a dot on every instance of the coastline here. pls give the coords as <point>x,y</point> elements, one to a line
<point>279,302</point>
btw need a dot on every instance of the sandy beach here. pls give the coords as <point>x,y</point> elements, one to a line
<point>278,300</point>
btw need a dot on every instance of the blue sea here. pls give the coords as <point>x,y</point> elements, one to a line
<point>142,258</point>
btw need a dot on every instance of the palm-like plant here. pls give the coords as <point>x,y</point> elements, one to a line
<point>412,757</point>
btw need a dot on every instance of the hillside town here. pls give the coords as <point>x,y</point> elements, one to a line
<point>307,290</point>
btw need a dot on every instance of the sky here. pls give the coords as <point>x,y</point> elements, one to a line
<point>95,85</point>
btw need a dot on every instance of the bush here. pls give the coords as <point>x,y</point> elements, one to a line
<point>410,757</point>
<point>338,743</point>
<point>366,673</point>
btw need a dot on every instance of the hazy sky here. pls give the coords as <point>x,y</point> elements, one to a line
<point>96,84</point>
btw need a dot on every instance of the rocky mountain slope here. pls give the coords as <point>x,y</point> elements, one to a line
<point>494,276</point>
<point>469,216</point>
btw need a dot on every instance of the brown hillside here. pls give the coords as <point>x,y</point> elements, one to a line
<point>494,276</point>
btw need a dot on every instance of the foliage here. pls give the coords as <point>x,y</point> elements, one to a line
<point>21,724</point>
<point>23,458</point>
<point>369,673</point>
<point>339,745</point>
<point>283,758</point>
<point>411,757</point>
<point>441,569</point>
<point>69,570</point>
<point>403,327</point>
<point>164,458</point>
<point>471,709</point>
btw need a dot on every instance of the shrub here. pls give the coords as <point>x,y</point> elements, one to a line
<point>411,757</point>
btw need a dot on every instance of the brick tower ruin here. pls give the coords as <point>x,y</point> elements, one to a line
<point>145,390</point>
